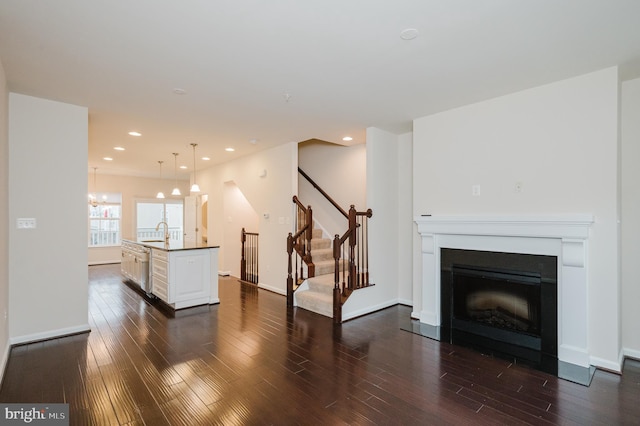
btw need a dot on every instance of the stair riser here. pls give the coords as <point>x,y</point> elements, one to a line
<point>319,303</point>
<point>321,288</point>
<point>320,244</point>
<point>322,255</point>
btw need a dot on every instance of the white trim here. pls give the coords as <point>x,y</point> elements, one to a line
<point>224,273</point>
<point>272,289</point>
<point>105,262</point>
<point>52,334</point>
<point>608,365</point>
<point>542,226</point>
<point>369,309</point>
<point>407,302</point>
<point>631,353</point>
<point>302,287</point>
<point>4,360</point>
<point>573,355</point>
<point>563,236</point>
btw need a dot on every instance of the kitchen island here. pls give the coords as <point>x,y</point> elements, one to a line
<point>181,274</point>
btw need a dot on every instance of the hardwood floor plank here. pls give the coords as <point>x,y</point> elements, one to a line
<point>251,360</point>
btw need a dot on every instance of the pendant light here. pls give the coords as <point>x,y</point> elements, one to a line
<point>194,187</point>
<point>176,190</point>
<point>93,198</point>
<point>160,194</point>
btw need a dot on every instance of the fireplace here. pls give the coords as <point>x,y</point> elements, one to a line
<point>504,304</point>
<point>564,238</point>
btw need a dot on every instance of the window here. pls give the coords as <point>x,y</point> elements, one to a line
<point>104,221</point>
<point>150,213</point>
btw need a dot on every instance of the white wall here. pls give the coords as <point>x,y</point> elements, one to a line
<point>48,290</point>
<point>382,198</point>
<point>630,217</point>
<point>341,171</point>
<point>269,195</point>
<point>237,214</point>
<point>561,142</point>
<point>4,222</point>
<point>132,189</point>
<point>406,227</point>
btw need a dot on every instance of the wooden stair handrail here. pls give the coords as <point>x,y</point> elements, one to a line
<point>320,190</point>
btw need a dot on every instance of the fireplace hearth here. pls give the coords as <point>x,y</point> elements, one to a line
<point>503,304</point>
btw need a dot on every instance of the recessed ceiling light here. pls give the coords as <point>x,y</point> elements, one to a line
<point>229,149</point>
<point>179,91</point>
<point>253,141</point>
<point>347,138</point>
<point>135,133</point>
<point>118,148</point>
<point>107,158</point>
<point>183,167</point>
<point>206,158</point>
<point>409,34</point>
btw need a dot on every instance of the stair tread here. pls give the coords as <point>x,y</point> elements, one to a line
<point>323,279</point>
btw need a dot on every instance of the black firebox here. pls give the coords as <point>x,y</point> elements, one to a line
<point>504,304</point>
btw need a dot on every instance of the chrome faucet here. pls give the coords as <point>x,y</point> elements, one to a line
<point>166,230</point>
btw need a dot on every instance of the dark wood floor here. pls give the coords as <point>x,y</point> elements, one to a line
<point>250,361</point>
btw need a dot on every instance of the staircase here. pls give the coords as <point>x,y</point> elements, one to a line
<point>316,293</point>
<point>323,273</point>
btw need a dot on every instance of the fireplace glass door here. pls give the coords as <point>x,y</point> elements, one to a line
<point>499,299</point>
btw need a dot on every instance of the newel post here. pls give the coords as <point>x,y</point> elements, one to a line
<point>337,293</point>
<point>243,260</point>
<point>311,268</point>
<point>352,247</point>
<point>290,270</point>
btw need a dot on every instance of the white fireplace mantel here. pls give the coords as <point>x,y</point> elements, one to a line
<point>563,236</point>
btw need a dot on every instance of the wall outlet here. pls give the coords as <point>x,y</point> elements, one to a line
<point>518,187</point>
<point>475,190</point>
<point>26,223</point>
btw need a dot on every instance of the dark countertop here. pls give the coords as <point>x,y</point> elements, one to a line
<point>173,245</point>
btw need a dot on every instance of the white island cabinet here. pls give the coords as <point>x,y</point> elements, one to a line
<point>184,278</point>
<point>183,275</point>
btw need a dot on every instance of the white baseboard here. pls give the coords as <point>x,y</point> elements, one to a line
<point>574,355</point>
<point>52,334</point>
<point>428,317</point>
<point>224,273</point>
<point>4,360</point>
<point>105,262</point>
<point>407,302</point>
<point>631,353</point>
<point>273,289</point>
<point>360,312</point>
<point>608,365</point>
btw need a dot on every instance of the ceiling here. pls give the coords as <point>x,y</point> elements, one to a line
<point>256,73</point>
